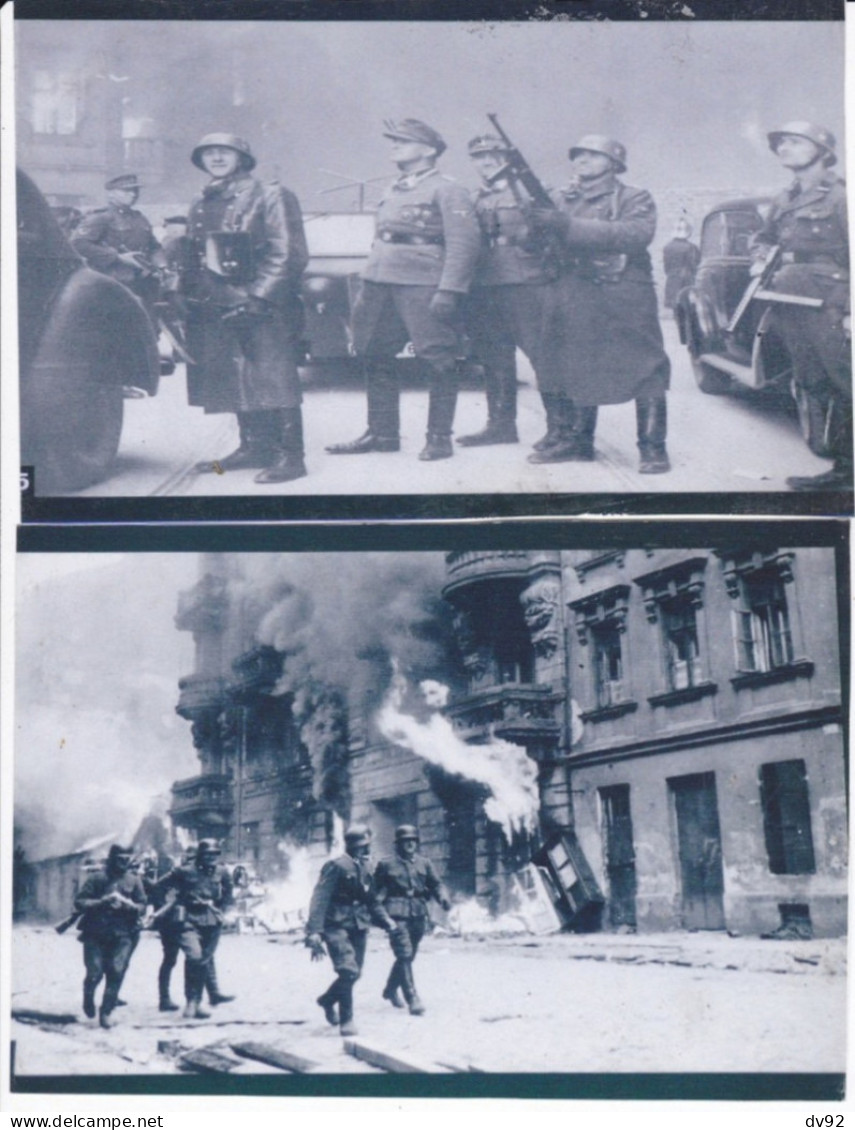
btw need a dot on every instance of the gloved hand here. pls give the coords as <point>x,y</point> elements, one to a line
<point>315,943</point>
<point>443,305</point>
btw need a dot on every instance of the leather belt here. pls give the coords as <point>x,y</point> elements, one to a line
<point>415,240</point>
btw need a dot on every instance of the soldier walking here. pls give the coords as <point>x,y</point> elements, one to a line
<point>203,891</point>
<point>244,312</point>
<point>405,885</point>
<point>344,904</point>
<point>118,240</point>
<point>808,223</point>
<point>506,308</point>
<point>111,903</point>
<point>420,266</point>
<point>602,342</point>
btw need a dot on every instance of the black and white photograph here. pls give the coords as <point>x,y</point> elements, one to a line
<point>610,261</point>
<point>478,813</point>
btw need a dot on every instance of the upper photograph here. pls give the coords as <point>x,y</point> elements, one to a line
<point>386,268</point>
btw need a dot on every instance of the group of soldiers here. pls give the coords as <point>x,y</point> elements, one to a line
<point>565,277</point>
<point>187,907</point>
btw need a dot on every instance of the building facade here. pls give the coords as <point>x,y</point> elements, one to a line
<point>682,708</point>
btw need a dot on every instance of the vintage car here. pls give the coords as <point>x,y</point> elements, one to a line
<point>83,339</point>
<point>752,356</point>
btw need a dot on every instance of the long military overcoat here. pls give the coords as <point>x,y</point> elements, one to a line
<point>246,364</point>
<point>602,342</point>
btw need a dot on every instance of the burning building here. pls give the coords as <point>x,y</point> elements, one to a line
<point>660,729</point>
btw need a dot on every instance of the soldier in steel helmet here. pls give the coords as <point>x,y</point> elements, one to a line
<point>343,906</point>
<point>406,883</point>
<point>203,892</point>
<point>808,223</point>
<point>602,339</point>
<point>119,241</point>
<point>505,308</point>
<point>244,312</point>
<point>111,903</point>
<point>420,266</point>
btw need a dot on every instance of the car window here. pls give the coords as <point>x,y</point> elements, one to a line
<point>727,234</point>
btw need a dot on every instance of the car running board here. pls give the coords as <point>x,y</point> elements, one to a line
<point>743,373</point>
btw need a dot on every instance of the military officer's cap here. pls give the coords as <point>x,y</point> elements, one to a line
<point>357,836</point>
<point>124,181</point>
<point>821,137</point>
<point>406,832</point>
<point>411,129</point>
<point>117,852</point>
<point>487,143</point>
<point>226,141</point>
<point>208,847</point>
<point>599,143</point>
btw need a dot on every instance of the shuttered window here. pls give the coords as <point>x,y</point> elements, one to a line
<point>786,817</point>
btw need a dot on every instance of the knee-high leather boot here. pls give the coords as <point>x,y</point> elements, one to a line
<point>255,448</point>
<point>393,984</point>
<point>651,414</point>
<point>575,439</point>
<point>500,385</point>
<point>287,458</point>
<point>409,986</point>
<point>384,413</point>
<point>441,407</point>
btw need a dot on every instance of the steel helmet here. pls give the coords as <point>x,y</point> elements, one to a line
<point>406,832</point>
<point>823,138</point>
<point>228,141</point>
<point>599,143</point>
<point>357,836</point>
<point>208,847</point>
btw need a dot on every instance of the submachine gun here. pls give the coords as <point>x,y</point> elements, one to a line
<point>518,169</point>
<point>757,289</point>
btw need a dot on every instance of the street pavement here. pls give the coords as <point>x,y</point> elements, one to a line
<point>734,443</point>
<point>676,1002</point>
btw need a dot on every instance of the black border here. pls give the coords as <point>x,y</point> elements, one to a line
<point>730,1087</point>
<point>465,10</point>
<point>430,507</point>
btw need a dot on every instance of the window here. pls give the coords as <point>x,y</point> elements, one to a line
<point>608,664</point>
<point>682,653</point>
<point>761,619</point>
<point>56,102</point>
<point>786,817</point>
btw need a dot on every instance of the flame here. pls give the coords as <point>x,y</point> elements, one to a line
<point>503,767</point>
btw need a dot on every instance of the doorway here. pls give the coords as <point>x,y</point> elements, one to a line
<point>699,849</point>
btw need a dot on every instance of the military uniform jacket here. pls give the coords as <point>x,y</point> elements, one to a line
<point>271,216</point>
<point>811,226</point>
<point>405,887</point>
<point>426,235</point>
<point>508,256</point>
<point>344,897</point>
<point>193,888</point>
<point>103,234</point>
<point>608,227</point>
<point>109,921</point>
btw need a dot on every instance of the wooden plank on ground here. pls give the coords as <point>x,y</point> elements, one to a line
<point>206,1059</point>
<point>388,1061</point>
<point>36,1016</point>
<point>275,1057</point>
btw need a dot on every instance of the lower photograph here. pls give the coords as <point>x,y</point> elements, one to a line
<point>554,818</point>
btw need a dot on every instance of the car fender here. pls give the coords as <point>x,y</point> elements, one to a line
<point>763,368</point>
<point>97,327</point>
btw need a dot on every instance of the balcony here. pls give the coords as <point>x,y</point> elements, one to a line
<point>203,800</point>
<point>492,564</point>
<point>198,693</point>
<point>518,712</point>
<point>256,672</point>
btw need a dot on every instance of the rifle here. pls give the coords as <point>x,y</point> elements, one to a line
<point>757,289</point>
<point>67,923</point>
<point>517,167</point>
